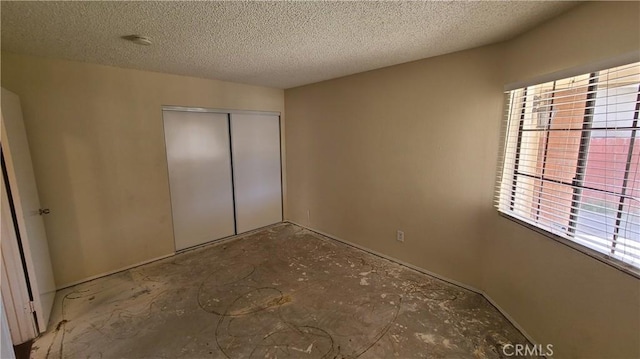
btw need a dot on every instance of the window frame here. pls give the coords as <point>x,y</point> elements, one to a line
<point>505,171</point>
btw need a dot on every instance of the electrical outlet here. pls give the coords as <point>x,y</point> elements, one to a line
<point>400,236</point>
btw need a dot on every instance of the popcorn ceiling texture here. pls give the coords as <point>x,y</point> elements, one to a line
<point>275,44</point>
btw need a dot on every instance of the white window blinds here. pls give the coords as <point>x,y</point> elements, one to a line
<point>570,162</point>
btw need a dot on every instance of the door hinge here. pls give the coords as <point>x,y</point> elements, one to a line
<point>31,307</point>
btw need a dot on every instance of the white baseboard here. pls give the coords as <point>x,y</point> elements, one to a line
<point>213,242</point>
<point>67,285</point>
<point>330,236</point>
<point>395,260</point>
<point>509,318</point>
<point>424,271</point>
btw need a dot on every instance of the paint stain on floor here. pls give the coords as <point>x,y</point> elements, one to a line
<point>284,292</point>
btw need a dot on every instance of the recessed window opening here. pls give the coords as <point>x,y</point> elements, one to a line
<point>570,164</point>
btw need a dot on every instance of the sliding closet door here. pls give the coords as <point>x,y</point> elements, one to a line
<point>255,140</point>
<point>198,155</point>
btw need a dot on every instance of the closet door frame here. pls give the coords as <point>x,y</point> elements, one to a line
<point>229,112</point>
<point>222,111</point>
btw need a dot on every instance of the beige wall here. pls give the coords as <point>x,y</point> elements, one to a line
<point>414,147</point>
<point>589,34</point>
<point>96,138</point>
<point>399,148</point>
<point>559,295</point>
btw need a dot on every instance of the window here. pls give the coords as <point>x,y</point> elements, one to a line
<point>570,164</point>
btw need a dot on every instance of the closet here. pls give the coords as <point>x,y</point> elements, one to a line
<point>224,172</point>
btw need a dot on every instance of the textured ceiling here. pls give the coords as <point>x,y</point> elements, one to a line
<point>277,44</point>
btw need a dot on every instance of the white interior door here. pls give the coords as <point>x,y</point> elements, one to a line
<point>22,185</point>
<point>199,160</point>
<point>255,140</point>
<point>15,294</point>
<point>6,349</point>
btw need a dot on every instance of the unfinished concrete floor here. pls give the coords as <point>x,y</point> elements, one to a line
<point>284,292</point>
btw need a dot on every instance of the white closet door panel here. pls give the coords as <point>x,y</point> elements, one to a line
<point>199,162</point>
<point>255,140</point>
